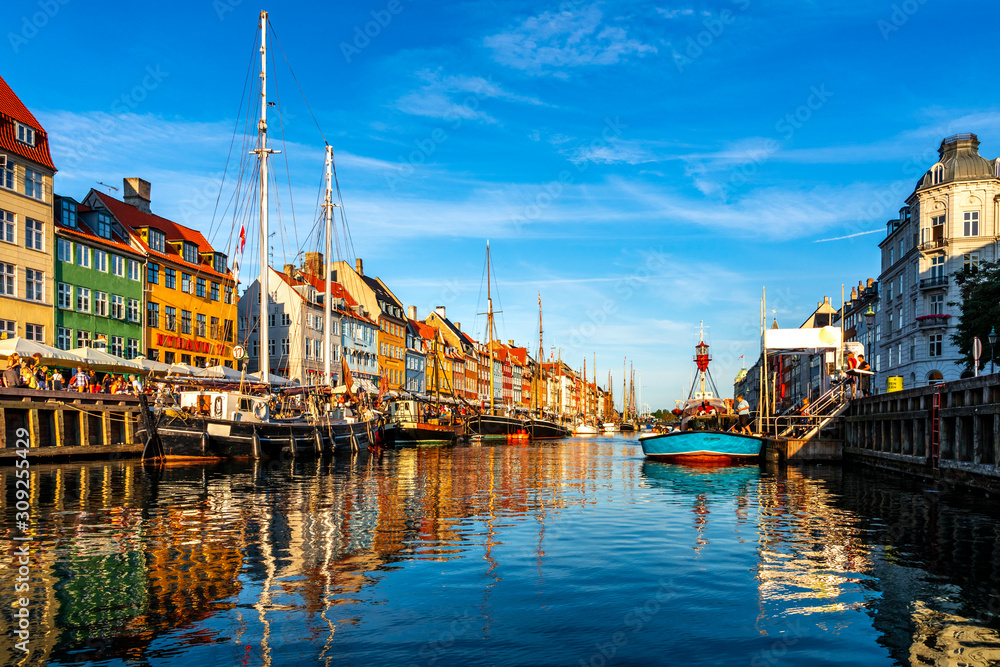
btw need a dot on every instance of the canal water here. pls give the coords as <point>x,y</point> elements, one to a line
<point>575,552</point>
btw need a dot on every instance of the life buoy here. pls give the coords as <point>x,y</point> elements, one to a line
<point>217,407</point>
<point>261,411</point>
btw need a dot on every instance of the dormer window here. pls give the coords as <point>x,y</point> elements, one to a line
<point>190,253</point>
<point>157,240</point>
<point>67,213</point>
<point>219,262</point>
<point>937,174</point>
<point>103,226</point>
<point>25,134</point>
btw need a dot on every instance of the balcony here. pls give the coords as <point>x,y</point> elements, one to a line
<point>933,321</point>
<point>932,245</point>
<point>934,282</point>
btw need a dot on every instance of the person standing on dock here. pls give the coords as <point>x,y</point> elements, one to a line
<point>743,410</point>
<point>12,376</point>
<point>56,381</point>
<point>80,381</point>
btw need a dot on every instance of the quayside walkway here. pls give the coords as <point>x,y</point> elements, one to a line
<point>948,432</point>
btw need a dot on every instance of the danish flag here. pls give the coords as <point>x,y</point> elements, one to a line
<point>240,242</point>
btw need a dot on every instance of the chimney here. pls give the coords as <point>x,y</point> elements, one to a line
<point>458,325</point>
<point>510,342</point>
<point>411,312</point>
<point>359,267</point>
<point>871,281</point>
<point>854,293</point>
<point>441,312</point>
<point>137,193</point>
<point>289,270</point>
<point>314,264</point>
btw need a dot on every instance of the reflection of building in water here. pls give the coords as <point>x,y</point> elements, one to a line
<point>810,551</point>
<point>946,640</point>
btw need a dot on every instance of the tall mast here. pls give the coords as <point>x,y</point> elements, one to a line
<point>540,353</point>
<point>264,356</point>
<point>624,392</point>
<point>328,299</point>
<point>585,389</point>
<point>489,324</point>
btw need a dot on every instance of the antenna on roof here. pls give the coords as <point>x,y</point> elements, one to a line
<point>109,187</point>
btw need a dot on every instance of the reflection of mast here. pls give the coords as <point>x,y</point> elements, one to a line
<point>488,553</point>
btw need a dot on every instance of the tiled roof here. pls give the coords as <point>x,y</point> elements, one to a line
<point>425,330</point>
<point>134,219</point>
<point>12,109</point>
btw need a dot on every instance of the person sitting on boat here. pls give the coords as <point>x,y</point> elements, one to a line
<point>743,410</point>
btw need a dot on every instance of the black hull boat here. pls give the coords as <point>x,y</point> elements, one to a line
<point>543,429</point>
<point>494,426</point>
<point>401,435</point>
<point>186,436</point>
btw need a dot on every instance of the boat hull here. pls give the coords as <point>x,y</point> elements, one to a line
<point>494,426</point>
<point>543,429</point>
<point>701,446</point>
<point>400,435</point>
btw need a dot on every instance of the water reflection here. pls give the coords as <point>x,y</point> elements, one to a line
<point>456,555</point>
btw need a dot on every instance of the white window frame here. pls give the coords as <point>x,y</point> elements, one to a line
<point>8,279</point>
<point>35,332</point>
<point>64,338</point>
<point>83,255</point>
<point>34,285</point>
<point>101,303</point>
<point>82,299</point>
<point>133,310</point>
<point>64,251</point>
<point>34,184</point>
<point>64,296</point>
<point>101,260</point>
<point>8,226</point>
<point>118,265</point>
<point>34,234</point>
<point>134,270</point>
<point>117,307</point>
<point>971,223</point>
<point>26,134</point>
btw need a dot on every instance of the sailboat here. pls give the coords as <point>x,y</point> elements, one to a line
<point>582,426</point>
<point>224,421</point>
<point>540,428</point>
<point>610,426</point>
<point>705,423</point>
<point>492,425</point>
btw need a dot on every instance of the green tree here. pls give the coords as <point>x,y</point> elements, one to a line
<point>980,292</point>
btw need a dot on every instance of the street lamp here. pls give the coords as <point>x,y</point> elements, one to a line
<point>869,316</point>
<point>993,341</point>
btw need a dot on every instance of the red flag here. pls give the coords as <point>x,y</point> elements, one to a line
<point>240,243</point>
<point>348,380</point>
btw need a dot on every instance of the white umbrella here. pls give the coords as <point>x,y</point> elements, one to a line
<point>103,361</point>
<point>271,379</point>
<point>183,369</point>
<point>219,372</point>
<point>152,365</point>
<point>25,348</point>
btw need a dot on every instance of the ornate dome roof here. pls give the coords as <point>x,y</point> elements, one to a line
<point>959,161</point>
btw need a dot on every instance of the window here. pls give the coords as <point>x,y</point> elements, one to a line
<point>970,262</point>
<point>118,265</point>
<point>286,319</point>
<point>134,270</point>
<point>100,260</point>
<point>168,357</point>
<point>67,212</point>
<point>229,293</point>
<point>186,283</point>
<point>937,221</point>
<point>285,348</point>
<point>169,277</point>
<point>8,328</point>
<point>228,331</point>
<point>971,223</point>
<point>34,285</point>
<point>157,240</point>
<point>64,338</point>
<point>8,230</point>
<point>937,174</point>
<point>82,338</point>
<point>215,291</point>
<point>215,328</point>
<point>937,266</point>
<point>900,315</point>
<point>190,253</point>
<point>64,250</point>
<point>117,307</point>
<point>937,304</point>
<point>219,263</point>
<point>152,314</point>
<point>186,322</point>
<point>132,351</point>
<point>83,255</point>
<point>33,184</point>
<point>25,134</point>
<point>35,332</point>
<point>935,344</point>
<point>153,273</point>
<point>64,295</point>
<point>169,318</point>
<point>8,284</point>
<point>103,225</point>
<point>116,346</point>
<point>201,287</point>
<point>889,327</point>
<point>101,304</point>
<point>254,348</point>
<point>7,175</point>
<point>200,331</point>
<point>888,294</point>
<point>133,310</point>
<point>83,299</point>
<point>891,256</point>
<point>270,348</point>
<point>34,234</point>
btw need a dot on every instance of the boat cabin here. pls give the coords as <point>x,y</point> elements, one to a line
<point>231,405</point>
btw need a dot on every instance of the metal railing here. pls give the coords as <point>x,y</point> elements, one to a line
<point>935,281</point>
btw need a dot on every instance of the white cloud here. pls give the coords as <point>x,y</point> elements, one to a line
<point>674,13</point>
<point>553,41</point>
<point>455,97</point>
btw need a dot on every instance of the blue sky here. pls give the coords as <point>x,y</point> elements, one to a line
<point>645,167</point>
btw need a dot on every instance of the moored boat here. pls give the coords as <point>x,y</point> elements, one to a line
<point>407,425</point>
<point>706,426</point>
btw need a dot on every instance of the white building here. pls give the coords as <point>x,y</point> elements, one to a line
<point>949,225</point>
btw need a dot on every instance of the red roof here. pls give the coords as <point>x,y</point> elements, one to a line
<point>134,219</point>
<point>12,110</point>
<point>425,330</point>
<point>336,289</point>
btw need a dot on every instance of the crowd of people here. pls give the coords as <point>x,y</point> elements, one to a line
<point>30,373</point>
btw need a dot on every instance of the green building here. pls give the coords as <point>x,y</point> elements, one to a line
<point>99,280</point>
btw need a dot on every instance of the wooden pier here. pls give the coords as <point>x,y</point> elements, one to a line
<point>949,432</point>
<point>67,425</point>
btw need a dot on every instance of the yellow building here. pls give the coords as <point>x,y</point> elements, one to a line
<point>190,303</point>
<point>26,235</point>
